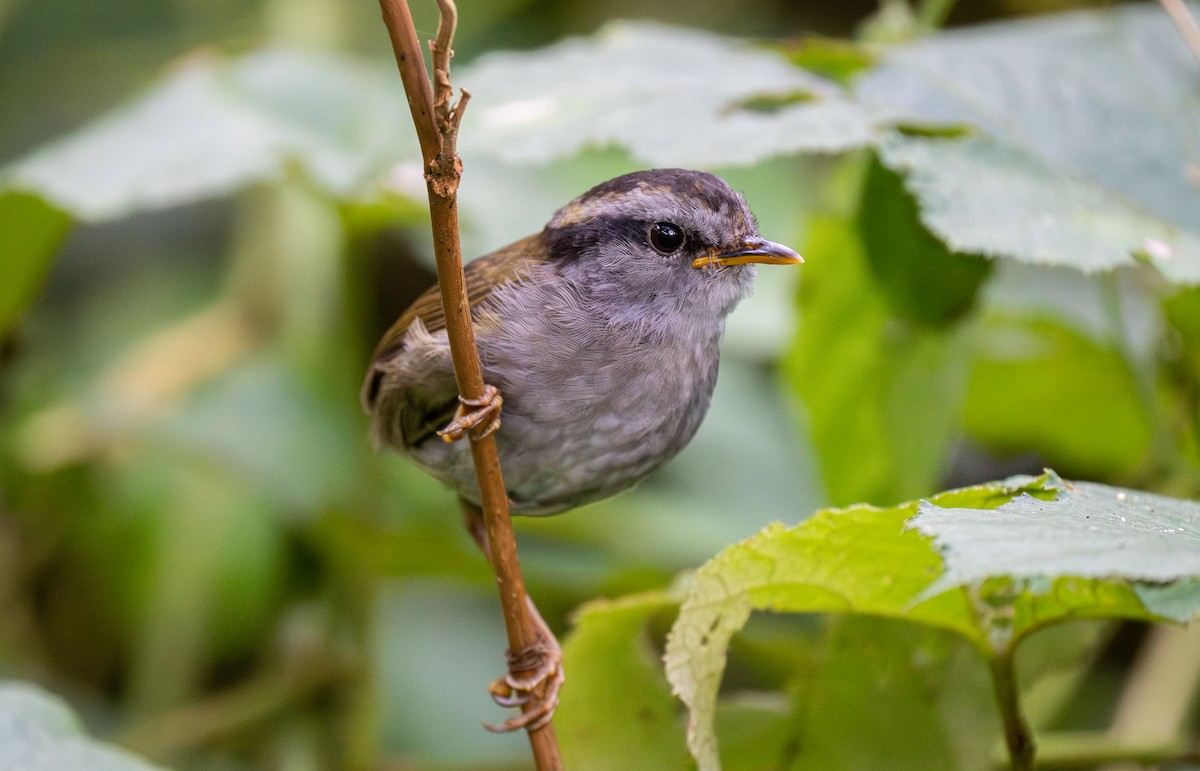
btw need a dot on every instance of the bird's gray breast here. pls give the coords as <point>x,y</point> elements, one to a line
<point>596,396</point>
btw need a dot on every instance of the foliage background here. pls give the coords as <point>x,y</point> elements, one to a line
<point>200,551</point>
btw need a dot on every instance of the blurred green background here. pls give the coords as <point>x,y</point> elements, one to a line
<point>198,546</point>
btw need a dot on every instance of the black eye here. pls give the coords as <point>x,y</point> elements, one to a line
<point>666,237</point>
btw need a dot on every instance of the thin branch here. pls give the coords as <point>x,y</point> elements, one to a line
<point>407,48</point>
<point>230,712</point>
<point>440,48</point>
<point>1185,22</point>
<point>437,122</point>
<point>1089,750</point>
<point>1017,736</point>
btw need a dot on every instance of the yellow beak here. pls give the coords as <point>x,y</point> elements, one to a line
<point>752,250</point>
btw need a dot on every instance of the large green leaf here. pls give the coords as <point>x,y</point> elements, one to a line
<point>38,732</point>
<point>878,391</point>
<point>859,559</point>
<point>1084,148</point>
<point>1086,530</point>
<point>1039,386</point>
<point>1018,555</point>
<point>924,282</point>
<point>984,197</point>
<point>670,96</point>
<point>1067,140</point>
<point>871,705</point>
<point>213,126</point>
<point>617,711</point>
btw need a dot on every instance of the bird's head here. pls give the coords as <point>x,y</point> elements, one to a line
<point>663,236</point>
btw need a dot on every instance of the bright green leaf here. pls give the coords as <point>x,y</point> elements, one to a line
<point>871,704</point>
<point>1019,555</point>
<point>1038,386</point>
<point>859,560</point>
<point>879,391</point>
<point>38,732</point>
<point>617,711</point>
<point>30,230</point>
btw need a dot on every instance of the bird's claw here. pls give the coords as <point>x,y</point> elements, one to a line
<point>477,417</point>
<point>535,676</point>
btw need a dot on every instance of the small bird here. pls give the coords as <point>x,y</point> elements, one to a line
<point>601,335</point>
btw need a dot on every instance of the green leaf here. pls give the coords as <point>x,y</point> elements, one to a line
<point>1087,530</point>
<point>859,559</point>
<point>1039,386</point>
<point>38,732</point>
<point>923,281</point>
<point>1015,556</point>
<point>264,424</point>
<point>618,711</point>
<point>213,127</point>
<point>1085,148</point>
<point>838,60</point>
<point>1182,312</point>
<point>984,197</point>
<point>878,391</point>
<point>873,702</point>
<point>670,96</point>
<point>30,231</point>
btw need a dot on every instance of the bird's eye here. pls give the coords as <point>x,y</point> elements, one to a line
<point>666,237</point>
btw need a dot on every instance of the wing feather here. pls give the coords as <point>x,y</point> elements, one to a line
<point>483,276</point>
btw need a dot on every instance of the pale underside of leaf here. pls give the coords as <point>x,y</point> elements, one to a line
<point>213,127</point>
<point>38,732</point>
<point>670,96</point>
<point>1087,530</point>
<point>1084,146</point>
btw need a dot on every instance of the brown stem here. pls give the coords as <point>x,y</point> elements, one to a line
<point>1017,736</point>
<point>407,48</point>
<point>436,122</point>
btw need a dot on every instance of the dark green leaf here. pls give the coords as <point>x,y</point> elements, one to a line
<point>30,230</point>
<point>838,60</point>
<point>618,711</point>
<point>873,702</point>
<point>1038,386</point>
<point>923,281</point>
<point>878,391</point>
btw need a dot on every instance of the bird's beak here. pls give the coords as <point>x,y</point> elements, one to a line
<point>751,250</point>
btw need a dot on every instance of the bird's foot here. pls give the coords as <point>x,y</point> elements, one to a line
<point>534,677</point>
<point>477,417</point>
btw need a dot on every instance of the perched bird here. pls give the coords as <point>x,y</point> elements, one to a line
<point>600,332</point>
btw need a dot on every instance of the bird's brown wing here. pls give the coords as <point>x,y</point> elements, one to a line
<point>483,276</point>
